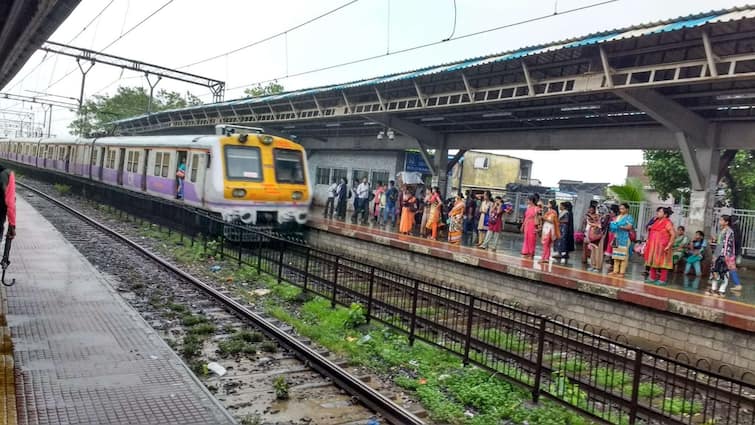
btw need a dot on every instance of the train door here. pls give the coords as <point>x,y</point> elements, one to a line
<point>181,159</point>
<point>103,151</point>
<point>121,163</point>
<point>68,158</point>
<point>144,169</point>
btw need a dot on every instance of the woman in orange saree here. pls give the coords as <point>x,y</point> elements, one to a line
<point>456,220</point>
<point>658,253</point>
<point>409,207</point>
<point>434,219</point>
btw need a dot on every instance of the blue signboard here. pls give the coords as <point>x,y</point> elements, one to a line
<point>415,162</point>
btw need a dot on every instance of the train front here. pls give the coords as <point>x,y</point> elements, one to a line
<point>265,181</point>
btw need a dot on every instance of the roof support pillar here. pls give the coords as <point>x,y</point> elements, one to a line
<point>706,162</point>
<point>710,55</point>
<point>317,105</point>
<point>380,99</point>
<point>440,170</point>
<point>530,86</point>
<point>606,67</point>
<point>470,91</point>
<point>420,96</point>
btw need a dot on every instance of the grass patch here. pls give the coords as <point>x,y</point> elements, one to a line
<point>62,189</point>
<point>505,340</point>
<point>193,319</point>
<point>645,389</point>
<point>202,329</point>
<point>606,377</point>
<point>680,406</point>
<point>192,345</point>
<point>240,342</point>
<point>178,308</point>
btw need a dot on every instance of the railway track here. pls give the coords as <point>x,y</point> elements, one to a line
<point>159,290</point>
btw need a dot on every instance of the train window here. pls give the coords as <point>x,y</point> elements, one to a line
<point>162,160</point>
<point>243,163</point>
<point>111,159</point>
<point>94,157</point>
<point>132,162</point>
<point>194,168</point>
<point>289,167</point>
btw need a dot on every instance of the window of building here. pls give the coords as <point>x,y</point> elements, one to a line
<point>358,175</point>
<point>481,163</point>
<point>323,175</point>
<point>162,161</point>
<point>194,168</point>
<point>338,174</point>
<point>379,176</point>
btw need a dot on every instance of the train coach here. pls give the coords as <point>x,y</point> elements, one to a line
<point>239,173</point>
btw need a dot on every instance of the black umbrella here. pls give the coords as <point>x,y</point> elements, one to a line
<point>5,262</point>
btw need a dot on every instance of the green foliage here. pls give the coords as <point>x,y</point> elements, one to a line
<point>356,316</point>
<point>239,342</point>
<point>743,174</point>
<point>251,419</point>
<point>667,172</point>
<point>98,111</point>
<point>646,389</point>
<point>202,329</point>
<point>192,319</point>
<point>680,406</point>
<point>563,388</point>
<point>199,367</point>
<point>611,378</point>
<point>192,344</point>
<point>259,90</point>
<point>281,387</point>
<point>506,340</point>
<point>631,191</point>
<point>62,189</point>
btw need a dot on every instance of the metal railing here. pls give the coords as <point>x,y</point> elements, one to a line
<point>605,378</point>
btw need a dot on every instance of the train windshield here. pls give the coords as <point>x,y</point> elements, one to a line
<point>243,163</point>
<point>289,166</point>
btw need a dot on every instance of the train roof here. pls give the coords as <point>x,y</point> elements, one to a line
<point>199,141</point>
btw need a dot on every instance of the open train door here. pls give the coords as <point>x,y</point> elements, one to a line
<point>103,151</point>
<point>68,158</point>
<point>121,162</point>
<point>144,170</point>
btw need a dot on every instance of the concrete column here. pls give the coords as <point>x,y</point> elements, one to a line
<point>440,167</point>
<point>702,201</point>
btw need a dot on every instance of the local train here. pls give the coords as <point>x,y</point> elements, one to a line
<point>250,177</point>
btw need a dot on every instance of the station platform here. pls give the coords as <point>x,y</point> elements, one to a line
<point>683,295</point>
<point>82,355</point>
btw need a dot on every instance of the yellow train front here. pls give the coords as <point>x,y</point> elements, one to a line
<point>259,179</point>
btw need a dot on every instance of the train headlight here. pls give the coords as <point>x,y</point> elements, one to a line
<point>297,195</point>
<point>238,193</point>
<point>265,139</point>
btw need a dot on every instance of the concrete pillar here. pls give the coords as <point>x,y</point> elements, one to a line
<point>701,202</point>
<point>440,178</point>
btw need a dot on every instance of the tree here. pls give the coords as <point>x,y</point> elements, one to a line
<point>631,191</point>
<point>98,111</point>
<point>668,175</point>
<point>260,90</point>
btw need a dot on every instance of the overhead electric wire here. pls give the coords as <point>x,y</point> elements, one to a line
<point>117,39</point>
<point>268,38</point>
<point>422,46</point>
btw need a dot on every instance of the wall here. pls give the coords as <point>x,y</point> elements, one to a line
<point>390,161</point>
<point>642,326</point>
<point>501,170</point>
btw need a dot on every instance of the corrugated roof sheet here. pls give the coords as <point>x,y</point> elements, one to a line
<point>690,21</point>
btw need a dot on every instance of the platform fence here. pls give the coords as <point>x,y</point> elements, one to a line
<point>602,376</point>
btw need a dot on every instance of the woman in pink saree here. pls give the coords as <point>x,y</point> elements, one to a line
<point>529,227</point>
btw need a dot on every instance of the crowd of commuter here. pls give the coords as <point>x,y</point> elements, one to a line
<point>607,232</point>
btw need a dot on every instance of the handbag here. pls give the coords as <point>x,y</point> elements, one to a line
<point>595,234</point>
<point>633,235</point>
<point>620,253</point>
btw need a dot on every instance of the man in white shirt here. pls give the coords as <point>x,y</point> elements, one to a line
<point>330,203</point>
<point>363,197</point>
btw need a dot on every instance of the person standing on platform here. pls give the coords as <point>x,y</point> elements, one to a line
<point>342,194</point>
<point>658,251</point>
<point>591,217</point>
<point>8,201</point>
<point>456,220</point>
<point>378,195</point>
<point>482,221</point>
<point>408,209</point>
<point>434,207</point>
<point>330,203</point>
<point>621,227</point>
<point>551,230</point>
<point>391,197</point>
<point>361,202</point>
<point>695,253</point>
<point>565,244</point>
<point>495,225</point>
<point>529,227</point>
<point>725,258</point>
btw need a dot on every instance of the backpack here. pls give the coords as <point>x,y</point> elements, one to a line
<point>393,194</point>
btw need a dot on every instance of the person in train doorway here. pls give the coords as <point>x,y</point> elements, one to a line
<point>391,197</point>
<point>180,177</point>
<point>361,202</point>
<point>8,201</point>
<point>342,195</point>
<point>330,203</point>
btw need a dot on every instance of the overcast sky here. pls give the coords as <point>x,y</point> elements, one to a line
<point>187,31</point>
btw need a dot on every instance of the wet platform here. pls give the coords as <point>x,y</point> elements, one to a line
<point>82,354</point>
<point>683,295</point>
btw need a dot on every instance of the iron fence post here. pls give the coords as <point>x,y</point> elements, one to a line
<point>240,250</point>
<point>413,325</point>
<point>468,335</point>
<point>635,387</point>
<point>280,263</point>
<point>335,283</point>
<point>259,255</point>
<point>306,269</point>
<point>222,241</point>
<point>204,243</point>
<point>539,364</point>
<point>369,294</point>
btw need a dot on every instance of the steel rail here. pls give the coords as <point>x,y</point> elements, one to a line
<point>380,404</point>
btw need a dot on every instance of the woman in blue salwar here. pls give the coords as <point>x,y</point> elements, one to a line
<point>621,226</point>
